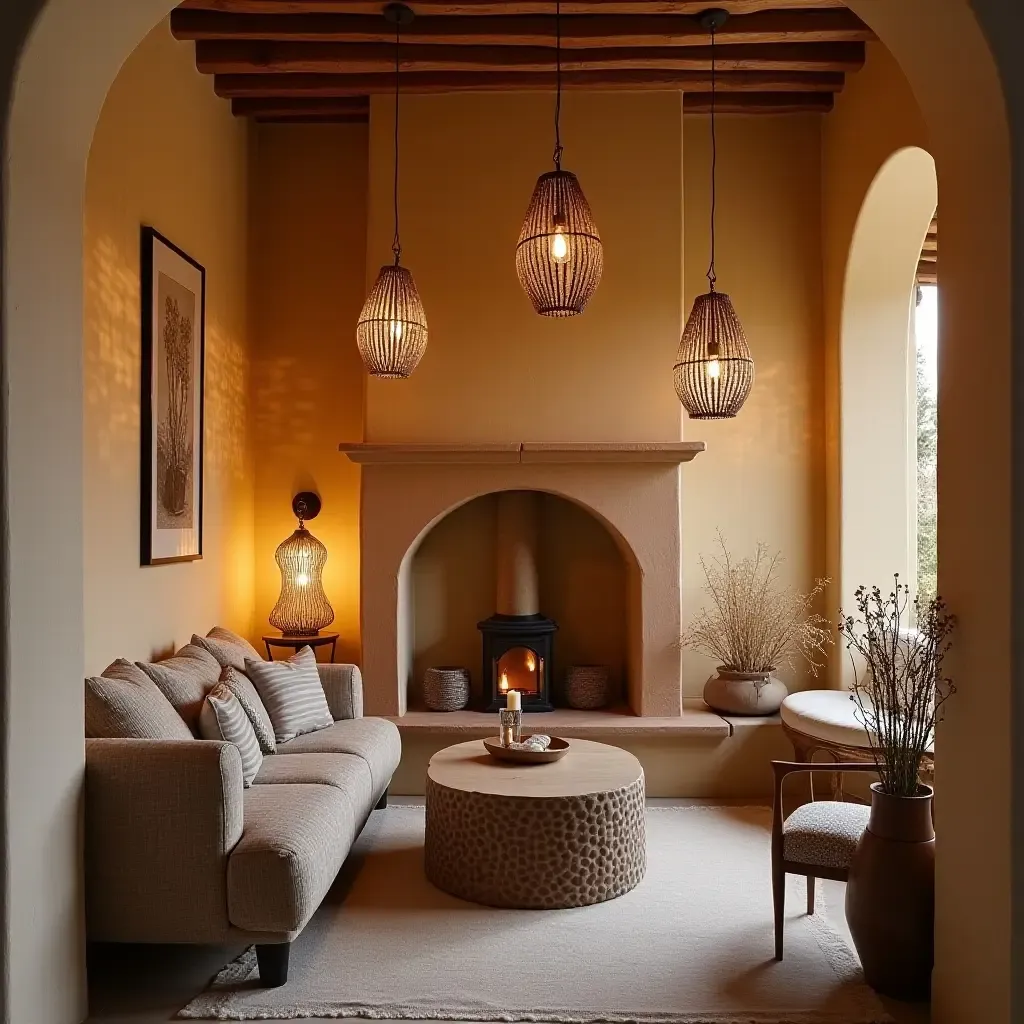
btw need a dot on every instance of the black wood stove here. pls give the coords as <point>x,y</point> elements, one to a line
<point>518,655</point>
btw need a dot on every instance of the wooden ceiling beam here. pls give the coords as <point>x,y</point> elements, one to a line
<point>759,103</point>
<point>931,242</point>
<point>527,30</point>
<point>356,107</point>
<point>301,85</point>
<point>428,8</point>
<point>337,58</point>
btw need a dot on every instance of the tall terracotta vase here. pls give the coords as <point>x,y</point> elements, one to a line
<point>890,895</point>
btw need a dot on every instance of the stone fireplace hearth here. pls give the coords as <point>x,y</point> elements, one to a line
<point>634,490</point>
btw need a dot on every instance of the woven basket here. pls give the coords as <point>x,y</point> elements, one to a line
<point>588,687</point>
<point>446,688</point>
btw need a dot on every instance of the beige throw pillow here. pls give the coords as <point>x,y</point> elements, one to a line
<point>185,680</point>
<point>292,693</point>
<point>241,686</point>
<point>124,703</point>
<point>227,647</point>
<point>223,718</point>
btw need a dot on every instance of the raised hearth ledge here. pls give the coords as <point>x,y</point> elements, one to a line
<point>697,722</point>
<point>668,452</point>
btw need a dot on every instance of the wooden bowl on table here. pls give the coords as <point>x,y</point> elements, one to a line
<point>557,750</point>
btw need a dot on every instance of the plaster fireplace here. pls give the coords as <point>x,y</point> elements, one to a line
<point>634,490</point>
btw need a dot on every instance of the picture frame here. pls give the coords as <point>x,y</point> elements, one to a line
<point>173,361</point>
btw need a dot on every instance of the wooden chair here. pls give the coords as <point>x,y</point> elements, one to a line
<point>817,840</point>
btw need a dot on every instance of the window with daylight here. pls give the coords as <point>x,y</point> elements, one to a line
<point>926,334</point>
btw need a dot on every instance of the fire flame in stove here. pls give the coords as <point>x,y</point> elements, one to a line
<point>503,682</point>
<point>531,662</point>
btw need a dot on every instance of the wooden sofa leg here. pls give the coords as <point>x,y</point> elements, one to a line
<point>810,894</point>
<point>273,963</point>
<point>382,802</point>
<point>779,897</point>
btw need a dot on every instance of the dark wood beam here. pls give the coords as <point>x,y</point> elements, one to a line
<point>492,7</point>
<point>931,242</point>
<point>527,30</point>
<point>311,118</point>
<point>301,85</point>
<point>927,273</point>
<point>338,58</point>
<point>931,256</point>
<point>355,107</point>
<point>759,103</point>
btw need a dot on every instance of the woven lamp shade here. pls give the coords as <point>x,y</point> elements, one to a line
<point>714,371</point>
<point>392,329</point>
<point>303,608</point>
<point>559,256</point>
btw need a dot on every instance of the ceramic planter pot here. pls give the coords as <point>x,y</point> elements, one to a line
<point>890,895</point>
<point>744,693</point>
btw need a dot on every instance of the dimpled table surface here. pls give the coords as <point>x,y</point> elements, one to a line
<point>542,836</point>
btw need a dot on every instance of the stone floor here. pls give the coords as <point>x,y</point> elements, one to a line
<point>149,984</point>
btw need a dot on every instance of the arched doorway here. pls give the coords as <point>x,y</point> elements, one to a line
<point>63,69</point>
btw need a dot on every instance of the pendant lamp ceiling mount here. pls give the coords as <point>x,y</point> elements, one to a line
<point>711,20</point>
<point>401,15</point>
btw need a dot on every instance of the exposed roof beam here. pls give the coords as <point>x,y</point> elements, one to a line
<point>490,7</point>
<point>336,107</point>
<point>337,58</point>
<point>759,103</point>
<point>528,30</point>
<point>300,85</point>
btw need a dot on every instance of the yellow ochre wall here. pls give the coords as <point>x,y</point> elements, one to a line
<point>167,153</point>
<point>307,260</point>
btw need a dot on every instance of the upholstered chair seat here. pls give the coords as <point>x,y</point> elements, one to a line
<point>824,833</point>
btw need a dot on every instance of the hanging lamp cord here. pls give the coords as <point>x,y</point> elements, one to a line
<point>396,245</point>
<point>714,165</point>
<point>558,85</point>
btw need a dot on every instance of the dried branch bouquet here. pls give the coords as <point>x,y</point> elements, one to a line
<point>754,623</point>
<point>898,685</point>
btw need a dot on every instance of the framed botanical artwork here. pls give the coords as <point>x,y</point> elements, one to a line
<point>173,354</point>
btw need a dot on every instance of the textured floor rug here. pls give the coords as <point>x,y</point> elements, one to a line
<point>692,944</point>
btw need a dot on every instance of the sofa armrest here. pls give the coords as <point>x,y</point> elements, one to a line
<point>343,685</point>
<point>161,818</point>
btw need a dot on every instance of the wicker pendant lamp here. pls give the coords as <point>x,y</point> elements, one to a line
<point>303,608</point>
<point>714,372</point>
<point>392,328</point>
<point>559,257</point>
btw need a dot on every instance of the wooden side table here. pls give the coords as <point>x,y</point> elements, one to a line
<point>296,643</point>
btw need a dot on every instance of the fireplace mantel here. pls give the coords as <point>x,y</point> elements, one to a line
<point>524,452</point>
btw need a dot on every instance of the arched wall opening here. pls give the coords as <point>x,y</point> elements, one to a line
<point>877,373</point>
<point>585,573</point>
<point>60,72</point>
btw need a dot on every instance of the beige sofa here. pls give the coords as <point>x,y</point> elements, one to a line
<point>177,851</point>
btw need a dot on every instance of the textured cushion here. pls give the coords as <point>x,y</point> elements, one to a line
<point>347,772</point>
<point>826,715</point>
<point>185,680</point>
<point>375,740</point>
<point>124,703</point>
<point>292,693</point>
<point>296,838</point>
<point>228,648</point>
<point>824,832</point>
<point>223,718</point>
<point>241,686</point>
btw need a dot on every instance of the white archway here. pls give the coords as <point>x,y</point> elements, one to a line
<point>63,71</point>
<point>877,374</point>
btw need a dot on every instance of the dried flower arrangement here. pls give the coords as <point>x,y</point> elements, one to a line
<point>898,689</point>
<point>755,623</point>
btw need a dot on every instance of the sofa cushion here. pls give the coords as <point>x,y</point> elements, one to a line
<point>295,839</point>
<point>347,772</point>
<point>292,693</point>
<point>223,718</point>
<point>227,647</point>
<point>241,686</point>
<point>185,680</point>
<point>124,703</point>
<point>375,740</point>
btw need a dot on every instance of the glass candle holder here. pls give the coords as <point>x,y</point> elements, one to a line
<point>510,727</point>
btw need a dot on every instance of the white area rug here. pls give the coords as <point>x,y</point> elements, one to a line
<point>692,944</point>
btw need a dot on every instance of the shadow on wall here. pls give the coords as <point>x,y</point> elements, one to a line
<point>583,587</point>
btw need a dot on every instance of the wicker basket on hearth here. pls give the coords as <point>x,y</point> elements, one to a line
<point>446,688</point>
<point>588,687</point>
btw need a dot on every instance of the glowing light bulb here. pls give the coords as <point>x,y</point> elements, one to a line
<point>559,245</point>
<point>714,368</point>
<point>395,330</point>
<point>302,579</point>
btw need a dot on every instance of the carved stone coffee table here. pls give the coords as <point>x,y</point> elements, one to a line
<point>540,836</point>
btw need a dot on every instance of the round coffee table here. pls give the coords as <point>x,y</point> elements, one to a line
<point>540,836</point>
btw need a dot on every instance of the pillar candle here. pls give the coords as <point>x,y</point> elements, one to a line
<point>513,701</point>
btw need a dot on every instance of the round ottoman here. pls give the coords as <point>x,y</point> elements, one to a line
<point>542,836</point>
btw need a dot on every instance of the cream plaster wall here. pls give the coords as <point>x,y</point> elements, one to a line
<point>493,370</point>
<point>167,153</point>
<point>762,478</point>
<point>307,265</point>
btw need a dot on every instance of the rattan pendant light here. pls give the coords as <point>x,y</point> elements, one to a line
<point>392,328</point>
<point>559,257</point>
<point>714,371</point>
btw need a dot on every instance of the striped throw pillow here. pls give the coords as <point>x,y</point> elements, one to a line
<point>222,717</point>
<point>241,686</point>
<point>292,694</point>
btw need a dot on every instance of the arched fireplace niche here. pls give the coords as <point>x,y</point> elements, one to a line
<point>505,560</point>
